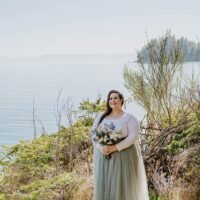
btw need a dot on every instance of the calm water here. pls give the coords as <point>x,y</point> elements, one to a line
<point>80,77</point>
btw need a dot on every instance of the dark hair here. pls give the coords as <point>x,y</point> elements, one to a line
<point>108,108</point>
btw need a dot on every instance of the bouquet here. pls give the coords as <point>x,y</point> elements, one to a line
<point>106,135</point>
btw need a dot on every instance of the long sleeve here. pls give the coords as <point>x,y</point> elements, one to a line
<point>96,121</point>
<point>133,133</point>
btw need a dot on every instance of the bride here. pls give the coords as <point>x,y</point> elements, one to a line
<point>123,176</point>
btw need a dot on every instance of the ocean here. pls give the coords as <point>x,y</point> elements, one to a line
<point>40,79</point>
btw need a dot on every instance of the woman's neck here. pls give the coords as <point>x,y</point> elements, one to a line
<point>117,112</point>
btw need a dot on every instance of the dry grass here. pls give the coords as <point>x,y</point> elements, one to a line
<point>85,192</point>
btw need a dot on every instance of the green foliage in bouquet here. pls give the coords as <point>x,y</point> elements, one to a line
<point>106,135</point>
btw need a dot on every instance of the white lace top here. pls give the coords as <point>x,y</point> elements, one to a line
<point>129,126</point>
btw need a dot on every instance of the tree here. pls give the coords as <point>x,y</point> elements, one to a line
<point>152,83</point>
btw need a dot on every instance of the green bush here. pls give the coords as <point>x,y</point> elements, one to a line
<point>190,135</point>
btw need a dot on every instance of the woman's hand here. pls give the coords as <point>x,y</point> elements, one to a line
<point>107,149</point>
<point>112,148</point>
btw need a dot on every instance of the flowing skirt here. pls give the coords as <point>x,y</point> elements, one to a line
<point>122,177</point>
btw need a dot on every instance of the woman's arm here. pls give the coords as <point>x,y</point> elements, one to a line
<point>96,121</point>
<point>133,133</point>
<point>103,148</point>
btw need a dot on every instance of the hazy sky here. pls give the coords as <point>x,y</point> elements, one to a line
<point>37,27</point>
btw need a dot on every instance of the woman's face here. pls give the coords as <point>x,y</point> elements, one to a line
<point>115,101</point>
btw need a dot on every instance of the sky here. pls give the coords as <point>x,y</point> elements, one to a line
<point>41,27</point>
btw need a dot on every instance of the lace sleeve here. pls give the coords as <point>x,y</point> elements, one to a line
<point>133,133</point>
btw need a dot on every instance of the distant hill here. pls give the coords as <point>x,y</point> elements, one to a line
<point>66,57</point>
<point>190,49</point>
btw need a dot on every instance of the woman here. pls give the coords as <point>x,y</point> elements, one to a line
<point>122,177</point>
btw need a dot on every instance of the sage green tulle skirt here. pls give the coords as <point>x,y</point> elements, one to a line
<point>122,177</point>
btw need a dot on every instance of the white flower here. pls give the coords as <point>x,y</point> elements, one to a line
<point>101,140</point>
<point>105,140</point>
<point>112,136</point>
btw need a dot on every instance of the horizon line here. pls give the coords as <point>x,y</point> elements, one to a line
<point>62,54</point>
